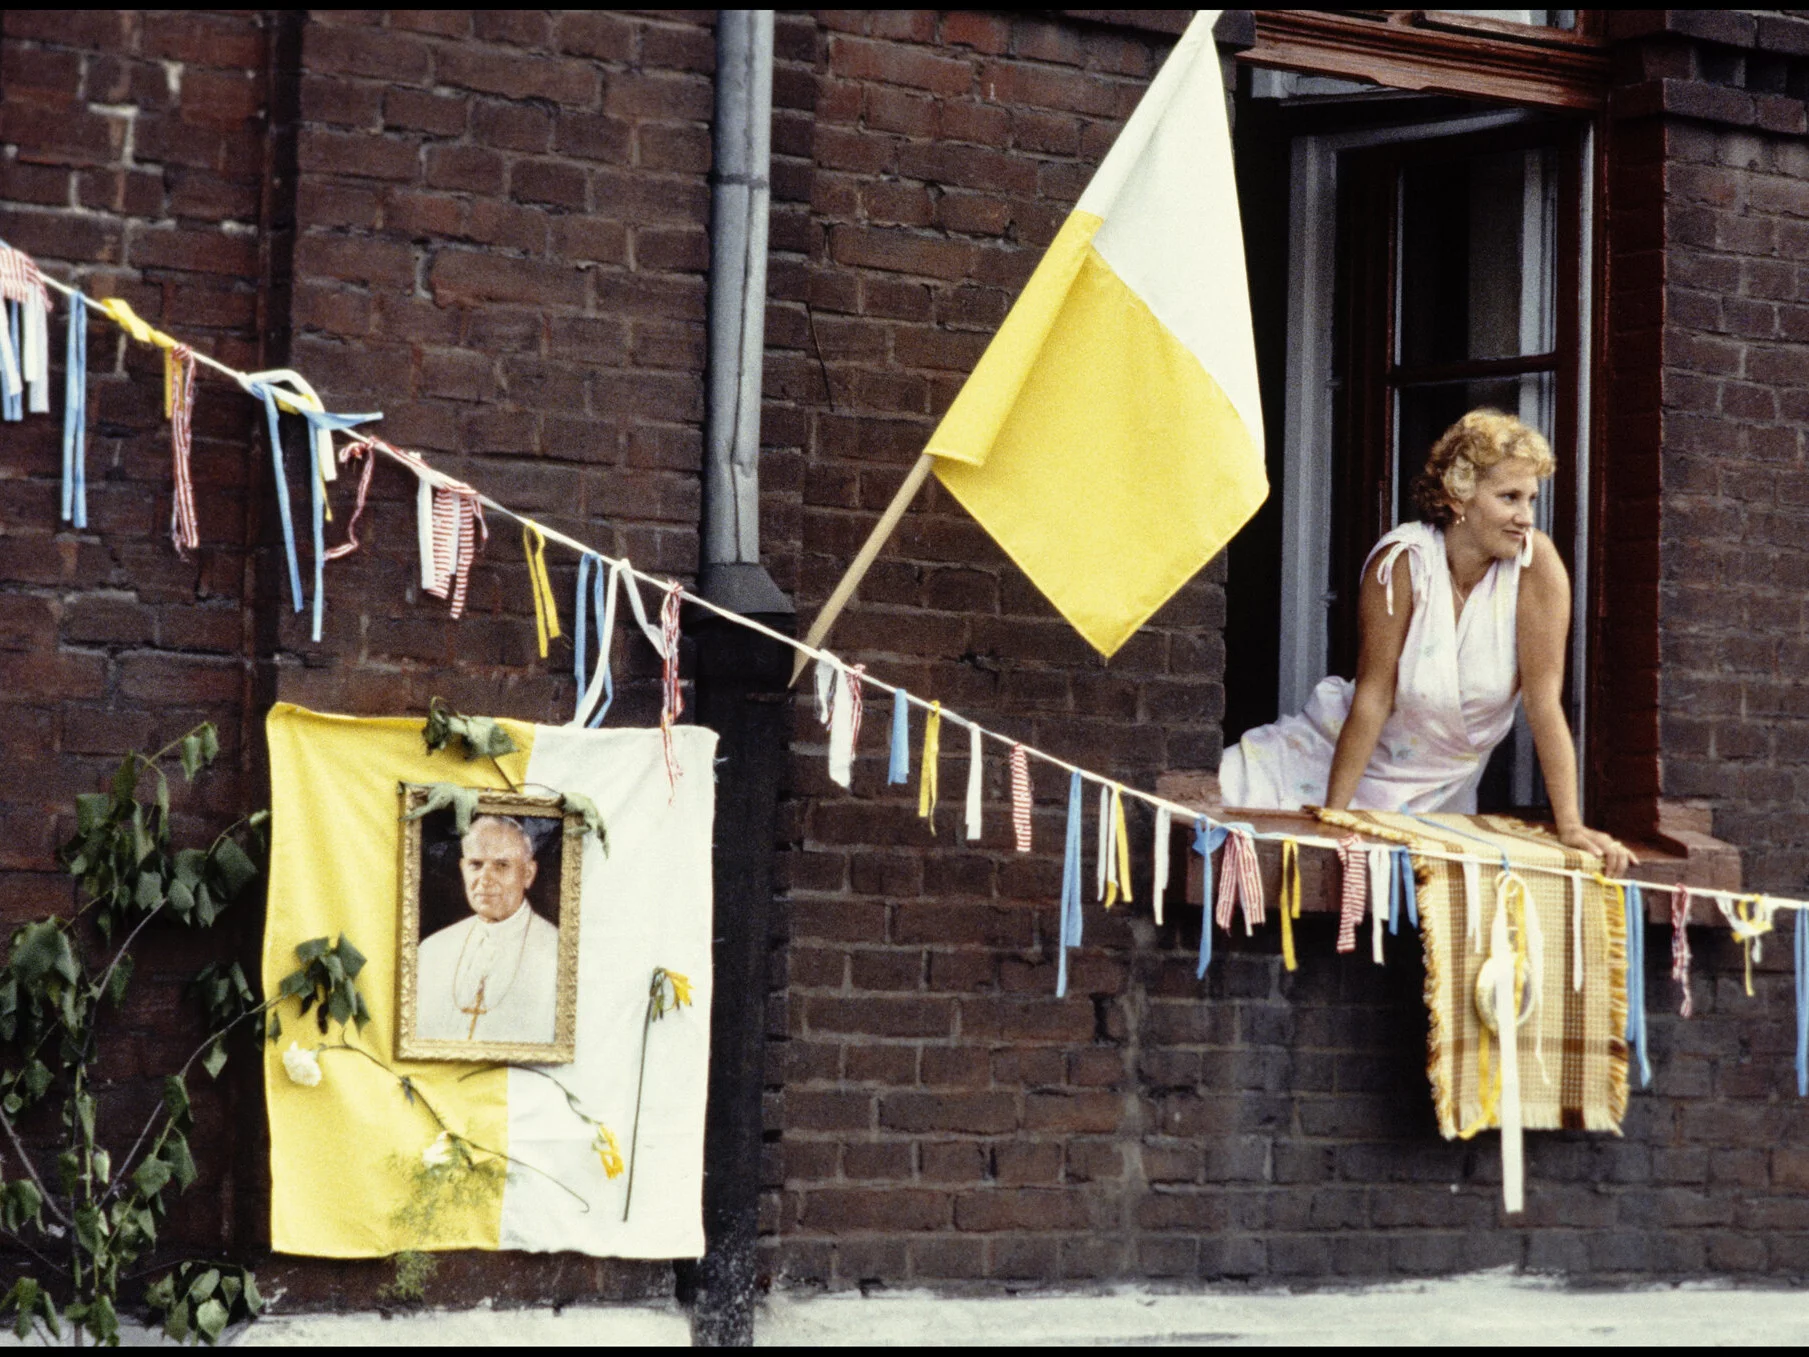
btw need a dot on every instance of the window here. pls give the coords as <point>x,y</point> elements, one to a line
<point>1426,256</point>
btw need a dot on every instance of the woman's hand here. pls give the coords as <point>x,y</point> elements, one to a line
<point>1616,856</point>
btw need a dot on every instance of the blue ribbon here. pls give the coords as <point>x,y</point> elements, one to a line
<point>274,418</point>
<point>1206,839</point>
<point>594,596</point>
<point>1070,908</point>
<point>899,770</point>
<point>75,416</point>
<point>1636,980</point>
<point>1405,890</point>
<point>319,420</point>
<point>1802,1005</point>
<point>15,397</point>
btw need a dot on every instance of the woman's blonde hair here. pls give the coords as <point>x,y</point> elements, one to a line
<point>1475,443</point>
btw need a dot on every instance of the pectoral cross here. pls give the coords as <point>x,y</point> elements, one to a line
<point>476,1009</point>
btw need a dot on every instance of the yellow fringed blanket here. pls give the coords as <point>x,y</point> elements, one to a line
<point>1572,1047</point>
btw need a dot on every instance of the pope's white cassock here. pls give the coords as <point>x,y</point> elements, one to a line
<point>482,981</point>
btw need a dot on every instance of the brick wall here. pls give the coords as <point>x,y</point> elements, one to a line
<point>131,162</point>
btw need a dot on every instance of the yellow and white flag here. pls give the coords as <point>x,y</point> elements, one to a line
<point>1110,438</point>
<point>358,1166</point>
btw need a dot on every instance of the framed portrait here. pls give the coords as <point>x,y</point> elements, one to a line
<point>488,953</point>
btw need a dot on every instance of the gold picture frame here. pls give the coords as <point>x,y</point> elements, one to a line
<point>445,896</point>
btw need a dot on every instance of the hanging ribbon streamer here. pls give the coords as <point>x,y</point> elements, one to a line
<point>362,448</point>
<point>1241,882</point>
<point>1159,859</point>
<point>976,770</point>
<point>14,407</point>
<point>25,366</point>
<point>898,770</point>
<point>1105,861</point>
<point>1355,864</point>
<point>1406,888</point>
<point>1378,861</point>
<point>1802,1005</point>
<point>1472,873</point>
<point>825,685</point>
<point>1636,978</point>
<point>1070,906</point>
<point>546,609</point>
<point>1020,797</point>
<point>1122,840</point>
<point>1750,918</point>
<point>672,697</point>
<point>458,529</point>
<point>1502,979</point>
<point>841,728</point>
<point>858,701</point>
<point>1680,948</point>
<point>1206,840</point>
<point>75,415</point>
<point>179,409</point>
<point>596,593</point>
<point>928,784</point>
<point>1290,901</point>
<point>284,513</point>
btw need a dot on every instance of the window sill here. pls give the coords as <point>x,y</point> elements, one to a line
<point>1684,852</point>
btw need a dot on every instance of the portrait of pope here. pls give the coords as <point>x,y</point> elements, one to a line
<point>492,976</point>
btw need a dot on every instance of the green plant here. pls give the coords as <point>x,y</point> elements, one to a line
<point>414,1270</point>
<point>85,1212</point>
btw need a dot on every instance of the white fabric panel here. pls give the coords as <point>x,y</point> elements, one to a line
<point>647,904</point>
<point>1167,193</point>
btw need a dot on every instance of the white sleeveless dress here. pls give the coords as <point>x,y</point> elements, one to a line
<point>1455,694</point>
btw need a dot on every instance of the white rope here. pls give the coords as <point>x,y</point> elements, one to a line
<point>1150,799</point>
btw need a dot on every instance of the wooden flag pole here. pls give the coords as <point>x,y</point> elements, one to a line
<point>864,558</point>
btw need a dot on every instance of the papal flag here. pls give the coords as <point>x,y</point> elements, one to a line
<point>373,1152</point>
<point>1110,437</point>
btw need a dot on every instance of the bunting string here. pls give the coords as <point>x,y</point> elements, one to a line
<point>453,527</point>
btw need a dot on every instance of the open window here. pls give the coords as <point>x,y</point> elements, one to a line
<point>1418,257</point>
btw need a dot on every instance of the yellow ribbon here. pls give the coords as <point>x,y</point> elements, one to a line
<point>927,787</point>
<point>1290,901</point>
<point>546,610</point>
<point>128,320</point>
<point>1124,842</point>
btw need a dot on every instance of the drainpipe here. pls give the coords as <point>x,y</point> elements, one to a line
<point>740,192</point>
<point>742,681</point>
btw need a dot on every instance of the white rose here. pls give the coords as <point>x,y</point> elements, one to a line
<point>302,1065</point>
<point>439,1153</point>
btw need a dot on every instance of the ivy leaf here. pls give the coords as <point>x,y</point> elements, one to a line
<point>175,1099</point>
<point>481,736</point>
<point>440,796</point>
<point>210,742</point>
<point>125,781</point>
<point>148,894</point>
<point>235,868</point>
<point>181,898</point>
<point>210,1319</point>
<point>592,817</point>
<point>151,1177</point>
<point>182,1163</point>
<point>117,982</point>
<point>91,1229</point>
<point>215,1059</point>
<point>91,812</point>
<point>350,958</point>
<point>190,864</point>
<point>191,756</point>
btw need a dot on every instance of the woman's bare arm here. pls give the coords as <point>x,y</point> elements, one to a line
<point>1378,660</point>
<point>1544,624</point>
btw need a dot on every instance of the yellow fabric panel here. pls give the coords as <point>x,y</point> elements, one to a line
<point>971,426</point>
<point>339,1152</point>
<point>1119,467</point>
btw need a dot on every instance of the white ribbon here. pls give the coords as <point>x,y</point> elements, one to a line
<point>1473,901</point>
<point>1381,863</point>
<point>841,727</point>
<point>825,677</point>
<point>300,396</point>
<point>1513,1151</point>
<point>1165,824</point>
<point>606,634</point>
<point>1106,862</point>
<point>976,770</point>
<point>34,339</point>
<point>424,530</point>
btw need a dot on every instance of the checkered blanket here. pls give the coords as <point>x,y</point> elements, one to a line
<point>1572,1050</point>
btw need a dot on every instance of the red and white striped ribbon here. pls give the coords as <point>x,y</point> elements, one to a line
<point>852,678</point>
<point>672,697</point>
<point>458,526</point>
<point>1020,796</point>
<point>180,379</point>
<point>1239,882</point>
<point>1355,861</point>
<point>1680,948</point>
<point>362,448</point>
